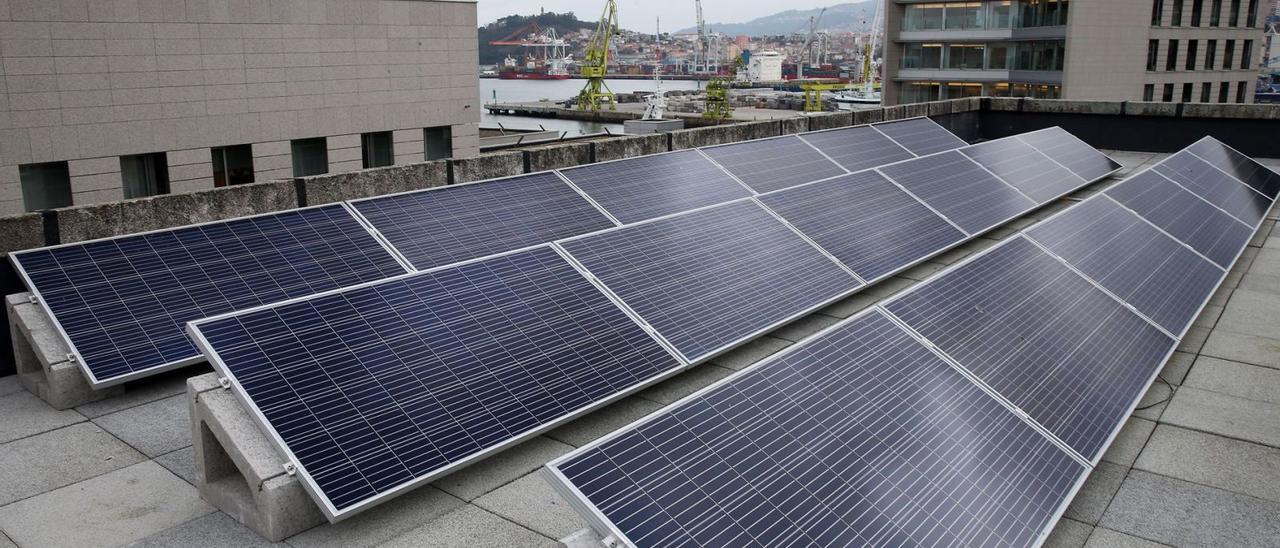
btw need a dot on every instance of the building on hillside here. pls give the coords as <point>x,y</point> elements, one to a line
<point>115,99</point>
<point>1153,50</point>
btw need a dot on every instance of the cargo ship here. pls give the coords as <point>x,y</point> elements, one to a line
<point>532,69</point>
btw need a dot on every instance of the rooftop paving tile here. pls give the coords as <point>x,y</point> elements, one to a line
<point>216,530</point>
<point>1225,415</point>
<point>1129,442</point>
<point>1068,533</point>
<point>26,415</point>
<point>380,523</point>
<point>40,463</point>
<point>1182,513</point>
<point>532,503</point>
<point>1092,499</point>
<point>498,470</point>
<point>154,428</point>
<point>469,527</point>
<point>1232,465</point>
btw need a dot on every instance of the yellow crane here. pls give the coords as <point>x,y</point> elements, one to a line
<point>813,94</point>
<point>596,64</point>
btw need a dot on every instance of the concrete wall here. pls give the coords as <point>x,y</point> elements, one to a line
<point>86,81</point>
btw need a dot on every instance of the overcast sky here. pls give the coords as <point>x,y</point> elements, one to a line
<point>640,14</point>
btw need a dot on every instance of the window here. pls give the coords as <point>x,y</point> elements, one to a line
<point>232,165</point>
<point>1241,88</point>
<point>1042,13</point>
<point>1210,54</point>
<point>1176,20</point>
<point>438,142</point>
<point>1171,62</point>
<point>145,174</point>
<point>999,14</point>
<point>1168,93</point>
<point>998,56</point>
<point>965,15</point>
<point>1153,52</point>
<point>1149,92</point>
<point>1193,47</point>
<point>310,157</point>
<point>1187,88</point>
<point>1224,92</point>
<point>919,92</point>
<point>1197,9</point>
<point>1246,55</point>
<point>1229,56</point>
<point>958,90</point>
<point>1157,12</point>
<point>376,149</point>
<point>1235,14</point>
<point>45,186</point>
<point>965,56</point>
<point>1215,13</point>
<point>1205,89</point>
<point>922,56</point>
<point>923,17</point>
<point>1253,14</point>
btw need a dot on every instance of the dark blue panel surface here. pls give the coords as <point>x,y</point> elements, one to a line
<point>1150,270</point>
<point>1069,151</point>
<point>921,135</point>
<point>446,225</point>
<point>639,189</point>
<point>772,164</point>
<point>860,437</point>
<point>1184,215</point>
<point>1043,337</point>
<point>380,386</point>
<point>858,148</point>
<point>865,221</point>
<point>960,189</point>
<point>1242,167</point>
<point>713,278</point>
<point>1025,168</point>
<point>125,302</point>
<point>1215,186</point>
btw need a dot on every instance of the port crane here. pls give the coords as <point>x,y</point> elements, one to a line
<point>807,49</point>
<point>707,43</point>
<point>596,64</point>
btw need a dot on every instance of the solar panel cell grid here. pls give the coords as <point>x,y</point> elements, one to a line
<point>712,278</point>
<point>1216,187</point>
<point>860,437</point>
<point>772,164</point>
<point>1182,214</point>
<point>124,302</point>
<point>1132,259</point>
<point>381,386</point>
<point>648,187</point>
<point>865,221</point>
<point>442,226</point>
<point>1238,165</point>
<point>920,135</point>
<point>858,148</point>
<point>1069,151</point>
<point>1043,337</point>
<point>960,189</point>
<point>1031,172</point>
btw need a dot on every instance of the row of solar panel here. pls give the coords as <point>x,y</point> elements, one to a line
<point>377,388</point>
<point>897,427</point>
<point>122,303</point>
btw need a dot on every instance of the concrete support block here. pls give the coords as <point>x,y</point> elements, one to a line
<point>788,126</point>
<point>831,120</point>
<point>1003,104</point>
<point>968,104</point>
<point>336,187</point>
<point>1230,110</point>
<point>556,156</point>
<point>487,166</point>
<point>630,146</point>
<point>584,538</point>
<point>42,358</point>
<point>1060,106</point>
<point>237,469</point>
<point>939,108</point>
<point>871,116</point>
<point>1137,108</point>
<point>716,135</point>
<point>896,112</point>
<point>20,232</point>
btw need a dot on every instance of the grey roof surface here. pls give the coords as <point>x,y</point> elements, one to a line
<point>1200,469</point>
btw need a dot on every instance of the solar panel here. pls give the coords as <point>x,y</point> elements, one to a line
<point>960,189</point>
<point>1216,187</point>
<point>866,221</point>
<point>1150,270</point>
<point>858,148</point>
<point>860,437</point>
<point>1069,151</point>
<point>1035,174</point>
<point>772,164</point>
<point>379,388</point>
<point>1071,357</point>
<point>1242,167</point>
<point>711,279</point>
<point>921,136</point>
<point>122,303</point>
<point>446,225</point>
<point>1187,217</point>
<point>638,189</point>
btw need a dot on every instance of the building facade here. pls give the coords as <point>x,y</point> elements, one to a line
<point>1154,50</point>
<point>104,100</point>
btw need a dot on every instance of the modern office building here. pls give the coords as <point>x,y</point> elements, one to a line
<point>1154,50</point>
<point>109,99</point>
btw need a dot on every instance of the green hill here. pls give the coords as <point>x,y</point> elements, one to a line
<point>502,28</point>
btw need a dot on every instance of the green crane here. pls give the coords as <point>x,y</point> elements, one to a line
<point>596,64</point>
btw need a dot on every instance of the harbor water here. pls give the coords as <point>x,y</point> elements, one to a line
<point>516,91</point>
